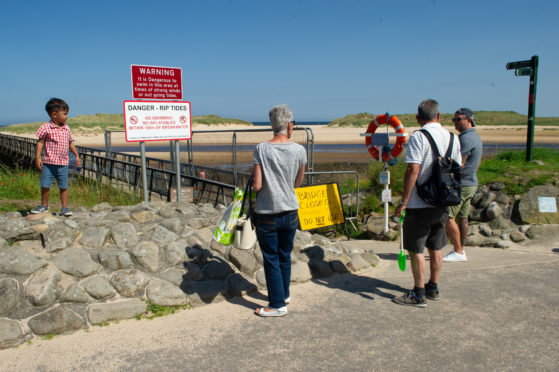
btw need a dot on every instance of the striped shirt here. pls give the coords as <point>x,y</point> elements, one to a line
<point>57,143</point>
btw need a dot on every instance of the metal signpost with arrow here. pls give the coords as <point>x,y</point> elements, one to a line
<point>528,68</point>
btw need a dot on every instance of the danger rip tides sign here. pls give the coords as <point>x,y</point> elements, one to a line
<point>152,82</point>
<point>157,121</point>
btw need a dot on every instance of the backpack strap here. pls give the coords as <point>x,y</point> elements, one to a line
<point>450,146</point>
<point>432,142</point>
<point>434,145</point>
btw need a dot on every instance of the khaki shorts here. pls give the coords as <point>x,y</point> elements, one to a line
<point>462,210</point>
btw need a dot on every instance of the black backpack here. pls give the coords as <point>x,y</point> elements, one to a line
<point>443,188</point>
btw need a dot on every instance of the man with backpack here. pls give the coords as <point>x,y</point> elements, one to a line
<point>470,147</point>
<point>424,224</point>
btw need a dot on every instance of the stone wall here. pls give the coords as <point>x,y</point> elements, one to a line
<point>106,263</point>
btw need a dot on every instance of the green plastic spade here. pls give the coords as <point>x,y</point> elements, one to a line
<point>402,255</point>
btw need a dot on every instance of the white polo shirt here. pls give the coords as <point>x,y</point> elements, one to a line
<point>419,152</point>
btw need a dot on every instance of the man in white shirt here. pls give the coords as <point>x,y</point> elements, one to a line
<point>424,224</point>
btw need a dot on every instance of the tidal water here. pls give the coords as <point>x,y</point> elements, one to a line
<point>488,148</point>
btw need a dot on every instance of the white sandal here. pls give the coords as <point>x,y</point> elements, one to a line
<point>261,311</point>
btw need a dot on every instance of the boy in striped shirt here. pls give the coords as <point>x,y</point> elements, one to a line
<point>55,138</point>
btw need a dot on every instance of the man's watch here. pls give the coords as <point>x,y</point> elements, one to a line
<point>404,203</point>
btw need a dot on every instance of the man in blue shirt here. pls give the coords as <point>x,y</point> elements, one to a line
<point>470,148</point>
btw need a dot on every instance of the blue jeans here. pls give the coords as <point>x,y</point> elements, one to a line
<point>50,172</point>
<point>275,234</point>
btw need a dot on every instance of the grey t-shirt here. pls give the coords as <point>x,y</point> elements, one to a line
<point>470,145</point>
<point>280,163</point>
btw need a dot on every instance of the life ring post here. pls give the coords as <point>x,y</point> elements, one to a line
<point>371,138</point>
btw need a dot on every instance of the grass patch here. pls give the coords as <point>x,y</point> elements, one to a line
<point>154,310</point>
<point>373,202</point>
<point>47,336</point>
<point>481,118</point>
<point>20,191</point>
<point>217,120</point>
<point>511,168</point>
<point>98,123</point>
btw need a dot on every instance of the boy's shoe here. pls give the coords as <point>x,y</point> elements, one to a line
<point>455,257</point>
<point>65,211</point>
<point>432,292</point>
<point>410,299</point>
<point>40,209</point>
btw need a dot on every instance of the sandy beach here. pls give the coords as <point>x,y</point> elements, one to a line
<point>329,135</point>
<point>222,135</point>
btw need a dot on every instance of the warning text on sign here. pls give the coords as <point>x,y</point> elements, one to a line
<point>157,121</point>
<point>319,206</point>
<point>153,82</point>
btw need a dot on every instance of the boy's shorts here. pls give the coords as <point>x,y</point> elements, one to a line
<point>50,172</point>
<point>425,227</point>
<point>462,210</point>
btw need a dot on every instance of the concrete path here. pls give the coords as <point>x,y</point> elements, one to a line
<point>498,311</point>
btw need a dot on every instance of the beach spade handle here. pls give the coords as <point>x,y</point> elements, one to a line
<point>401,255</point>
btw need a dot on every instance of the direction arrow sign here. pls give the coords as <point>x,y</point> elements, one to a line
<point>519,64</point>
<point>525,71</point>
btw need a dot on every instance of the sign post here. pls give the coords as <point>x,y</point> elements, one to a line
<point>528,68</point>
<point>381,141</point>
<point>144,171</point>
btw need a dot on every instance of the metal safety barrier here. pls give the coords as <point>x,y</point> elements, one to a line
<point>233,139</point>
<point>348,186</point>
<point>123,170</point>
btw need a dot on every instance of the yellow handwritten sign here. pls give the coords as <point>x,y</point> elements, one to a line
<point>319,206</point>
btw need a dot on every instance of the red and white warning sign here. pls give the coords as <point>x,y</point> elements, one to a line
<point>156,121</point>
<point>156,82</point>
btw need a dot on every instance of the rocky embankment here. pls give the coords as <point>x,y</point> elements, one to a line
<point>496,219</point>
<point>109,263</point>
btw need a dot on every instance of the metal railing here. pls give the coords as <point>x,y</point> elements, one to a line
<point>348,186</point>
<point>231,139</point>
<point>124,171</point>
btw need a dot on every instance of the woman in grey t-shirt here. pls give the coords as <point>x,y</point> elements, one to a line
<point>279,166</point>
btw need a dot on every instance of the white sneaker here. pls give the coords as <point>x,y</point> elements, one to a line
<point>455,257</point>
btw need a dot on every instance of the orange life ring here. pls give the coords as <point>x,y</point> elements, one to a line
<point>395,123</point>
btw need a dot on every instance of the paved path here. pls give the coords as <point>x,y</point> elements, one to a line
<point>498,311</point>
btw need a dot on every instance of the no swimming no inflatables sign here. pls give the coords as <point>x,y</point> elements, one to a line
<point>319,206</point>
<point>157,121</point>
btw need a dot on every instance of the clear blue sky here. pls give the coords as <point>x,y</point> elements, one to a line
<point>325,59</point>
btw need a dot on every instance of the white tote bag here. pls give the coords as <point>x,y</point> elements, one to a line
<point>245,236</point>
